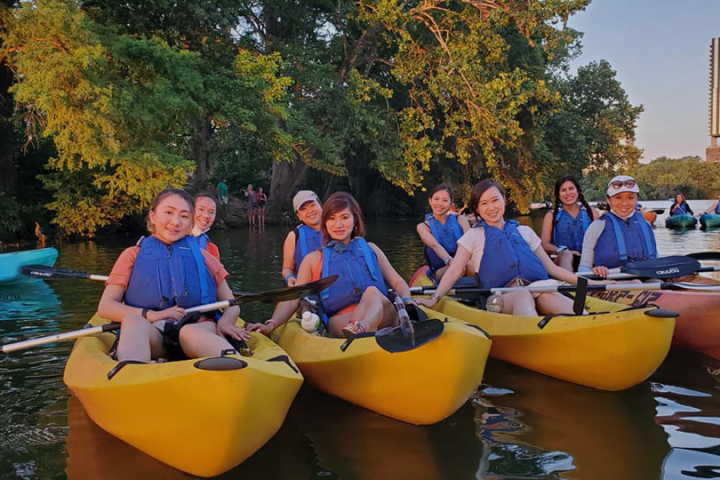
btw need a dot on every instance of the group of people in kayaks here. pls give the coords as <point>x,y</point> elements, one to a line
<point>177,266</point>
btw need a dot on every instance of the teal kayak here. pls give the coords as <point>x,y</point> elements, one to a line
<point>10,263</point>
<point>709,220</point>
<point>681,221</point>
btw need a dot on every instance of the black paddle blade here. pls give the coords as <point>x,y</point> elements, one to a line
<point>45,271</point>
<point>393,340</point>
<point>664,267</point>
<point>705,255</point>
<point>283,294</point>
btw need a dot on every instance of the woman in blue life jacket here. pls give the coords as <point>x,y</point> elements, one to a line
<point>155,281</point>
<point>504,253</point>
<point>205,212</point>
<point>441,230</point>
<point>620,236</point>
<point>714,208</point>
<point>357,302</point>
<point>563,228</point>
<point>305,238</point>
<point>680,206</point>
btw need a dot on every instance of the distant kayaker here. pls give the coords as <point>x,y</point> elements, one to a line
<point>563,228</point>
<point>144,288</point>
<point>714,208</point>
<point>504,253</point>
<point>205,212</point>
<point>305,238</point>
<point>620,236</point>
<point>680,206</point>
<point>441,230</point>
<point>358,300</point>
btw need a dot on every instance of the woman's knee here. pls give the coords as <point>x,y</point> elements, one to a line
<point>135,323</point>
<point>372,293</point>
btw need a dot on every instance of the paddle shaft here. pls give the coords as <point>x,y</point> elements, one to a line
<point>60,337</point>
<point>613,287</point>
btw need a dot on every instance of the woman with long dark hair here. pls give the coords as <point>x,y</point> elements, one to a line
<point>440,230</point>
<point>504,253</point>
<point>563,228</point>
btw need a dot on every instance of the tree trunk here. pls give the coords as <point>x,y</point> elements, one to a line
<point>201,153</point>
<point>286,178</point>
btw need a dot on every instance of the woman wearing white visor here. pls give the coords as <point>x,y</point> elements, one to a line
<point>620,236</point>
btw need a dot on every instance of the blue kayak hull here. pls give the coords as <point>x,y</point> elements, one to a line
<point>681,221</point>
<point>709,220</point>
<point>10,263</point>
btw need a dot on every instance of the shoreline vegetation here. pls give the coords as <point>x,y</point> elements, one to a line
<point>120,106</point>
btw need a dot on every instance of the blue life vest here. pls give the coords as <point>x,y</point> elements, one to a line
<point>679,210</point>
<point>357,268</point>
<point>717,208</point>
<point>506,256</point>
<point>307,240</point>
<point>203,240</point>
<point>622,242</point>
<point>447,235</point>
<point>166,275</point>
<point>570,231</point>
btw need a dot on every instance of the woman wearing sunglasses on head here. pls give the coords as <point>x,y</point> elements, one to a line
<point>620,236</point>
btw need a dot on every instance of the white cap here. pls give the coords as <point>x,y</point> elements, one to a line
<point>304,196</point>
<point>611,191</point>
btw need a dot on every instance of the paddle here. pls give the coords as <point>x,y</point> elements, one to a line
<point>572,288</point>
<point>406,325</point>
<point>271,296</point>
<point>663,267</point>
<point>705,255</point>
<point>51,273</point>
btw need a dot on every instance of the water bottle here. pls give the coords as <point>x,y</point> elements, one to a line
<point>494,303</point>
<point>310,322</point>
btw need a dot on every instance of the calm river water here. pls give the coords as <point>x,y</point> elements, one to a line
<point>519,425</point>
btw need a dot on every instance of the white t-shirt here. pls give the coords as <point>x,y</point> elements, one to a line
<point>474,242</point>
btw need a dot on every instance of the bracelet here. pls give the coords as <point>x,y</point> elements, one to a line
<point>144,313</point>
<point>435,296</point>
<point>271,322</point>
<point>406,299</point>
<point>292,275</point>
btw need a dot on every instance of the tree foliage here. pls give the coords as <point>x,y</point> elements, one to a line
<point>664,177</point>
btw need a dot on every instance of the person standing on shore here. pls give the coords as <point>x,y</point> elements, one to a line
<point>251,198</point>
<point>223,191</point>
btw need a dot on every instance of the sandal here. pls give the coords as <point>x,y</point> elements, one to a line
<point>352,328</point>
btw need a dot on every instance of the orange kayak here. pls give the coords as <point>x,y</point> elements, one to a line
<point>697,327</point>
<point>650,216</point>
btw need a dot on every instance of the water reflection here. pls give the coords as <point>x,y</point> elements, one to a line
<point>689,411</point>
<point>355,443</point>
<point>540,427</point>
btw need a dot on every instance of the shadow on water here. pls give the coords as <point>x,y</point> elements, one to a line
<point>540,427</point>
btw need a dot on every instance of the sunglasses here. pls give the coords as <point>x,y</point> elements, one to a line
<point>618,184</point>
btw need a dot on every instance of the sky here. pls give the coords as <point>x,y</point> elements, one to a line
<point>660,50</point>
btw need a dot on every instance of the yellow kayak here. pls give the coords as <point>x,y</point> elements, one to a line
<point>202,416</point>
<point>613,349</point>
<point>422,385</point>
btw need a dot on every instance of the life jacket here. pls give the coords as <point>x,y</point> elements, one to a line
<point>622,242</point>
<point>506,256</point>
<point>307,240</point>
<point>357,268</point>
<point>679,210</point>
<point>447,235</point>
<point>166,275</point>
<point>717,208</point>
<point>570,231</point>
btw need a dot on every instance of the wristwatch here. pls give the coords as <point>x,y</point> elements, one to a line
<point>447,260</point>
<point>560,249</point>
<point>435,296</point>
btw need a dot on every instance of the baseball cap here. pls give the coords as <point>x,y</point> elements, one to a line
<point>304,196</point>
<point>622,183</point>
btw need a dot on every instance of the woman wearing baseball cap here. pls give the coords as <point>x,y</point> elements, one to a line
<point>620,236</point>
<point>305,238</point>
